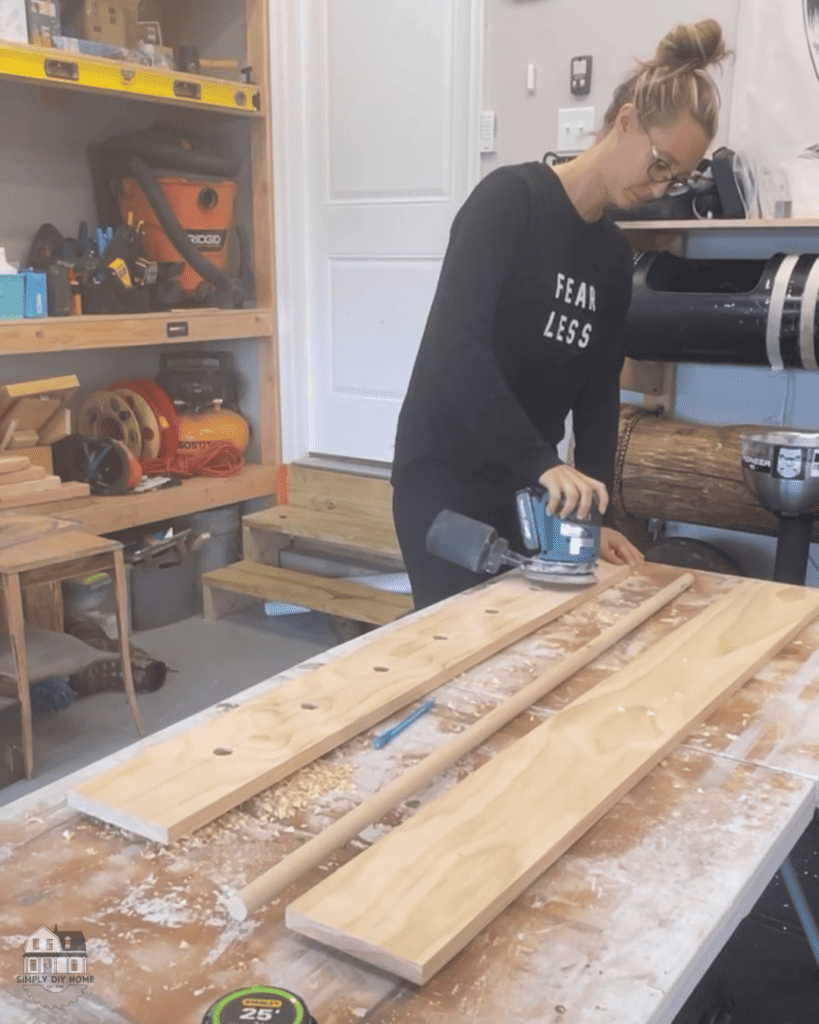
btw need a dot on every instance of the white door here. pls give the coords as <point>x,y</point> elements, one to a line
<point>390,112</point>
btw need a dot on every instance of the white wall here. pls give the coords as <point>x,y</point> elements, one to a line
<point>549,33</point>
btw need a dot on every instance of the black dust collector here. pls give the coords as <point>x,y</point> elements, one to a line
<point>747,312</point>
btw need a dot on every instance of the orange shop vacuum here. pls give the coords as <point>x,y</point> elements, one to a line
<point>179,193</point>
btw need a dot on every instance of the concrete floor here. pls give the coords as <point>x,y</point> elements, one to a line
<point>207,662</point>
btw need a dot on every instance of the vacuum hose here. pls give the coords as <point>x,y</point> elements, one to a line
<point>179,237</point>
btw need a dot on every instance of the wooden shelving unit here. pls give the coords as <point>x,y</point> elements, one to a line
<point>59,334</point>
<point>210,97</point>
<point>101,515</point>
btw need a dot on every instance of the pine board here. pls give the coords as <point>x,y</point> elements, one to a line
<point>181,784</point>
<point>59,492</point>
<point>344,597</point>
<point>345,529</point>
<point>21,475</point>
<point>412,901</point>
<point>33,486</point>
<point>13,464</point>
<point>345,494</point>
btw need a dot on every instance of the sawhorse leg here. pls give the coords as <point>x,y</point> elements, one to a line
<point>17,636</point>
<point>801,906</point>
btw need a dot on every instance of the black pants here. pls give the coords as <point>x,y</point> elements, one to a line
<point>418,500</point>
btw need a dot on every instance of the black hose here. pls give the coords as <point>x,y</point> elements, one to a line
<point>178,236</point>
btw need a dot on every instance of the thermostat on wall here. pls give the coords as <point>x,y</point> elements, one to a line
<point>581,76</point>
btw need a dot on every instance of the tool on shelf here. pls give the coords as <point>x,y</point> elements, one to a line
<point>182,192</point>
<point>187,58</point>
<point>107,271</point>
<point>561,550</point>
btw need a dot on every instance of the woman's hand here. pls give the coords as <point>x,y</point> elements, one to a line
<point>569,489</point>
<point>619,550</point>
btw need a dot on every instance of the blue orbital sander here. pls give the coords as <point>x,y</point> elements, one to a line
<point>560,550</point>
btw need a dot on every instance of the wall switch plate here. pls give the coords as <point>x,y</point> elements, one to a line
<point>488,131</point>
<point>575,129</point>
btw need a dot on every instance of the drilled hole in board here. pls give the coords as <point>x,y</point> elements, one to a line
<point>310,707</point>
<point>380,668</point>
<point>491,611</point>
<point>222,751</point>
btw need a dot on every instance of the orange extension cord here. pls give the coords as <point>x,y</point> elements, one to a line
<point>220,458</point>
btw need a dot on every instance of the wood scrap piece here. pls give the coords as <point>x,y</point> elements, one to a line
<point>180,784</point>
<point>32,473</point>
<point>13,464</point>
<point>22,439</point>
<point>60,492</point>
<point>413,900</point>
<point>32,403</point>
<point>275,881</point>
<point>43,483</point>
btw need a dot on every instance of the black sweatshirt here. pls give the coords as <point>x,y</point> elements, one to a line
<point>526,324</point>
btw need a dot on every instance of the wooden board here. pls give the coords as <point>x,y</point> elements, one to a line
<point>179,785</point>
<point>413,900</point>
<point>13,464</point>
<point>11,393</point>
<point>32,473</point>
<point>347,494</point>
<point>347,530</point>
<point>41,483</point>
<point>60,492</point>
<point>343,597</point>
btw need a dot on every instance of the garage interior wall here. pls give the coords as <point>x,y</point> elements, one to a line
<point>548,33</point>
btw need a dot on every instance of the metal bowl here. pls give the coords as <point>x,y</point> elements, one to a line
<point>781,469</point>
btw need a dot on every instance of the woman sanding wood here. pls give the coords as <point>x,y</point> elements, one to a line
<point>527,321</point>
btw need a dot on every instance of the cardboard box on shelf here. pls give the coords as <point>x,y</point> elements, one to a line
<point>104,21</point>
<point>44,23</point>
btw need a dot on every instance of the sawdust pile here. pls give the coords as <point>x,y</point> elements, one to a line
<point>302,789</point>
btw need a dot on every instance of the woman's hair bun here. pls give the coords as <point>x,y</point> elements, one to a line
<point>696,45</point>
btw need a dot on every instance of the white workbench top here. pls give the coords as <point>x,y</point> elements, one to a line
<point>618,931</point>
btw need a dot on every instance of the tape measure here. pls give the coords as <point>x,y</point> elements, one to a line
<point>106,414</point>
<point>104,463</point>
<point>259,1003</point>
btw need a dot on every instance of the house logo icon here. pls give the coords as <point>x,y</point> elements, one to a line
<point>55,967</point>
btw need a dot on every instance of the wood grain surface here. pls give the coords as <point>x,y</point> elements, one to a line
<point>335,596</point>
<point>413,900</point>
<point>179,785</point>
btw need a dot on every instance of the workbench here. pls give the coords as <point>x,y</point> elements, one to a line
<point>618,931</point>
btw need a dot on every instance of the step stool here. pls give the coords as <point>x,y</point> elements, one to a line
<point>336,515</point>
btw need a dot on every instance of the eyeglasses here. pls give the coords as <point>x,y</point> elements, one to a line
<point>661,173</point>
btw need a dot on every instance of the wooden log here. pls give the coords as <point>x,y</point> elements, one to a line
<point>688,473</point>
<point>273,882</point>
